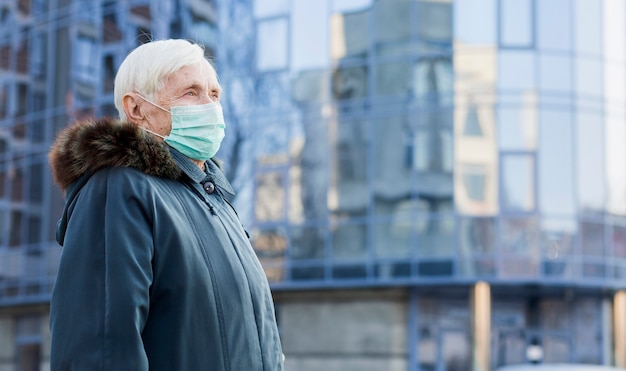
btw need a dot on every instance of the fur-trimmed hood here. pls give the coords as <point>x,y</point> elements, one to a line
<point>87,146</point>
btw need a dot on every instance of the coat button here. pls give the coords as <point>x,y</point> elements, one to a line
<point>209,187</point>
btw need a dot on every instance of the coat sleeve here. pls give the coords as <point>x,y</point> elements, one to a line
<point>101,297</point>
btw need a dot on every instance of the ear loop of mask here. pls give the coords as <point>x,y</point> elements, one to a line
<point>156,105</point>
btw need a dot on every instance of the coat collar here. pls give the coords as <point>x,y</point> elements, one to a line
<point>87,146</point>
<point>211,171</point>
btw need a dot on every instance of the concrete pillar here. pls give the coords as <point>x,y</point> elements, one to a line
<point>481,322</point>
<point>619,328</point>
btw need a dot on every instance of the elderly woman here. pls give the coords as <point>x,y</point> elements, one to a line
<point>157,272</point>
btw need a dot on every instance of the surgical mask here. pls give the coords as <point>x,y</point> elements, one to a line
<point>197,130</point>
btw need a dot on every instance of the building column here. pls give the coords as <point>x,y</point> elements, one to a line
<point>619,328</point>
<point>481,323</point>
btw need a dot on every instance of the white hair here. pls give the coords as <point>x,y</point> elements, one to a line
<point>146,68</point>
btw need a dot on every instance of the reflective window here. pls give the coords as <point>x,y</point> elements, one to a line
<point>36,183</point>
<point>516,70</point>
<point>614,24</point>
<point>393,78</point>
<point>432,151</point>
<point>475,21</point>
<point>589,79</point>
<point>555,73</point>
<point>350,34</point>
<point>619,241</point>
<point>474,180</point>
<point>517,192</point>
<point>350,82</point>
<point>517,128</point>
<point>348,182</point>
<point>269,197</point>
<point>435,237</point>
<point>554,25</point>
<point>86,60</point>
<point>516,23</point>
<point>307,242</point>
<point>615,147</point>
<point>15,226</point>
<point>434,21</point>
<point>271,45</point>
<point>269,8</point>
<point>34,231</point>
<point>519,235</point>
<point>350,5</point>
<point>392,21</point>
<point>270,246</point>
<point>394,239</point>
<point>309,34</point>
<point>477,236</point>
<point>349,239</point>
<point>557,246</point>
<point>590,161</point>
<point>433,79</point>
<point>592,238</point>
<point>588,26</point>
<point>556,169</point>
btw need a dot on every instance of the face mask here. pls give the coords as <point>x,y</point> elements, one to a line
<point>197,130</point>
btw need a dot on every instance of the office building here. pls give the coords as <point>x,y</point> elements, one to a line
<point>429,184</point>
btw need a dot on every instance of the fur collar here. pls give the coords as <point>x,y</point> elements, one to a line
<point>87,146</point>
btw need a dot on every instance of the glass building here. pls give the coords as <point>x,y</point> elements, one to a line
<point>432,185</point>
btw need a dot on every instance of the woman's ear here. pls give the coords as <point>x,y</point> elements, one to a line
<point>131,108</point>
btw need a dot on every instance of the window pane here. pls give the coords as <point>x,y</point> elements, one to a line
<point>393,20</point>
<point>309,34</point>
<point>477,236</point>
<point>588,26</point>
<point>349,34</point>
<point>393,78</point>
<point>516,70</point>
<point>268,8</point>
<point>434,21</point>
<point>614,12</point>
<point>272,38</point>
<point>590,161</point>
<point>516,23</point>
<point>592,238</point>
<point>518,182</point>
<point>348,179</point>
<point>589,76</point>
<point>557,245</point>
<point>270,246</point>
<point>474,21</point>
<point>350,82</point>
<point>350,5</point>
<point>519,236</point>
<point>349,239</point>
<point>307,242</point>
<point>270,197</point>
<point>554,24</point>
<point>615,147</point>
<point>517,128</point>
<point>435,237</point>
<point>394,239</point>
<point>432,79</point>
<point>556,173</point>
<point>555,73</point>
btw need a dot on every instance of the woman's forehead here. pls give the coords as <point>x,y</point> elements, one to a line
<point>200,74</point>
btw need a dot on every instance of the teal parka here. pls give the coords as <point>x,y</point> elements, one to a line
<point>156,271</point>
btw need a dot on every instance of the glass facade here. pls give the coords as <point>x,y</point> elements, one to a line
<point>372,143</point>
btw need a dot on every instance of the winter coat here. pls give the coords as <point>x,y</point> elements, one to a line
<point>156,271</point>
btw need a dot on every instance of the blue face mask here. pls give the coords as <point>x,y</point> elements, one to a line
<point>197,130</point>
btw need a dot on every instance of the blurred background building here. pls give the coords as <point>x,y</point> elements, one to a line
<point>433,185</point>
